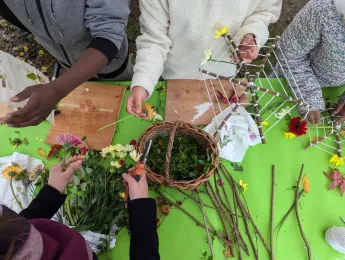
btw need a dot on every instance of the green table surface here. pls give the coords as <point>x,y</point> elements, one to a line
<point>180,238</point>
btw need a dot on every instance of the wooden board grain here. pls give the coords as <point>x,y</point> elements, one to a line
<point>84,112</point>
<point>184,96</point>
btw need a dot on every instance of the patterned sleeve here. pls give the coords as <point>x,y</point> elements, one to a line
<point>299,39</point>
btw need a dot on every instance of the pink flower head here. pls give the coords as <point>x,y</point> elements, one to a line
<point>68,140</point>
<point>252,136</point>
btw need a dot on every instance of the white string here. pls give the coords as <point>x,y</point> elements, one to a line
<point>209,96</point>
<point>275,73</point>
<point>278,120</point>
<point>227,98</point>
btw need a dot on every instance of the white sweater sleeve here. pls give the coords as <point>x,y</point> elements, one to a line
<point>153,45</point>
<point>268,11</point>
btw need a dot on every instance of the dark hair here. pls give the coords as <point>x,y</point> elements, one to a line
<point>14,231</point>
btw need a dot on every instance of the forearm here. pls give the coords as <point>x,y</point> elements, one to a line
<point>89,64</point>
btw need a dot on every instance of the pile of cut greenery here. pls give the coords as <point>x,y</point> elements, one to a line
<point>188,159</point>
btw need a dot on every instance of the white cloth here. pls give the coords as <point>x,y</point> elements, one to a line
<point>239,133</point>
<point>175,34</point>
<point>23,193</point>
<point>14,79</point>
<point>335,237</point>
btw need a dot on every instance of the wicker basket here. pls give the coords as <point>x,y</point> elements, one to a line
<point>171,128</point>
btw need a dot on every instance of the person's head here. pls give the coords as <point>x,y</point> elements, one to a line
<point>14,231</point>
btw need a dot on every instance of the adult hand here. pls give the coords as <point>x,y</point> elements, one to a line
<point>59,179</point>
<point>42,100</point>
<point>248,49</point>
<point>137,190</point>
<point>341,111</point>
<point>134,101</point>
<point>314,117</point>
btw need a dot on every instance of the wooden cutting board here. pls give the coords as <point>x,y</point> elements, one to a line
<point>188,99</point>
<point>85,110</point>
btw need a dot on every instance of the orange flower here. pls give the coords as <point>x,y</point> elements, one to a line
<point>11,171</point>
<point>306,184</point>
<point>148,110</point>
<point>165,210</point>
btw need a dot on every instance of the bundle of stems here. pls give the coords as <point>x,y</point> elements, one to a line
<point>232,209</point>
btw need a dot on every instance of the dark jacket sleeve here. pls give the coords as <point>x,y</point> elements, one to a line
<point>9,16</point>
<point>143,227</point>
<point>45,205</point>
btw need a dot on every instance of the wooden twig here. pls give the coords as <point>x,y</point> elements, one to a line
<point>233,216</point>
<point>246,213</point>
<point>215,201</point>
<point>205,222</point>
<point>272,211</point>
<point>197,222</point>
<point>319,140</point>
<point>297,214</point>
<point>236,223</point>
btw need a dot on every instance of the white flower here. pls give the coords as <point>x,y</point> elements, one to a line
<point>106,151</point>
<point>134,155</point>
<point>118,148</point>
<point>129,148</point>
<point>115,164</point>
<point>121,154</point>
<point>282,113</point>
<point>157,117</point>
<point>207,56</point>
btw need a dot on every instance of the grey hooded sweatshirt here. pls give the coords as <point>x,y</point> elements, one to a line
<point>67,28</point>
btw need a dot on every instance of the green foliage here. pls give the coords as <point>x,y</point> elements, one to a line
<point>31,76</point>
<point>188,159</point>
<point>237,167</point>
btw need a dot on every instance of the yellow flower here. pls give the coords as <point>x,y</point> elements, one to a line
<point>118,147</point>
<point>121,154</point>
<point>122,194</point>
<point>289,135</point>
<point>129,148</point>
<point>11,171</point>
<point>243,185</point>
<point>306,184</point>
<point>40,52</point>
<point>44,69</point>
<point>222,32</point>
<point>337,160</point>
<point>26,48</point>
<point>148,110</point>
<point>134,155</point>
<point>207,56</point>
<point>115,164</point>
<point>265,123</point>
<point>21,54</point>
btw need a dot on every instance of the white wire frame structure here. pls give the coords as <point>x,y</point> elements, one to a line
<point>252,85</point>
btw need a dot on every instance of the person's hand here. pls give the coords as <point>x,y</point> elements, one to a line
<point>314,117</point>
<point>42,100</point>
<point>248,49</point>
<point>134,101</point>
<point>59,179</point>
<point>341,111</point>
<point>137,190</point>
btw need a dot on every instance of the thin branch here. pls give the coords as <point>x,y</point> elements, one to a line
<point>272,211</point>
<point>297,214</point>
<point>205,222</point>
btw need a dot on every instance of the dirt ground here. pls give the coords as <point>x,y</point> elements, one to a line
<point>23,46</point>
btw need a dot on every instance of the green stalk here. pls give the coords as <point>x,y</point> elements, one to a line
<point>69,212</point>
<point>123,119</point>
<point>14,195</point>
<point>63,167</point>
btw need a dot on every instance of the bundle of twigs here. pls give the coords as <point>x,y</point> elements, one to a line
<point>233,210</point>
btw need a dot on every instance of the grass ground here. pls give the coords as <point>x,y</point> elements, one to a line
<point>23,46</point>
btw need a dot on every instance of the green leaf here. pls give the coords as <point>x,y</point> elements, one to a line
<point>15,164</point>
<point>237,167</point>
<point>201,162</point>
<point>31,76</point>
<point>76,180</point>
<point>205,253</point>
<point>88,170</point>
<point>19,189</point>
<point>83,186</point>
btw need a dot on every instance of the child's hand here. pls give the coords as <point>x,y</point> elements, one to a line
<point>137,190</point>
<point>134,101</point>
<point>58,179</point>
<point>314,117</point>
<point>248,49</point>
<point>340,110</point>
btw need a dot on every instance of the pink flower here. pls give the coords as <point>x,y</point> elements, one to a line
<point>68,140</point>
<point>252,136</point>
<point>220,182</point>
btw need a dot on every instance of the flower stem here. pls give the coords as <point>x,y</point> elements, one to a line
<point>63,167</point>
<point>222,61</point>
<point>123,119</point>
<point>69,212</point>
<point>14,195</point>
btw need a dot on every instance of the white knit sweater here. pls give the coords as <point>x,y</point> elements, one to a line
<point>175,33</point>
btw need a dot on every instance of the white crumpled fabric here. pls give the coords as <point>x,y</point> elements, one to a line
<point>25,197</point>
<point>13,80</point>
<point>335,237</point>
<point>239,133</point>
<point>22,193</point>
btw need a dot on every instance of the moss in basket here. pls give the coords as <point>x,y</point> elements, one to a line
<point>188,159</point>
